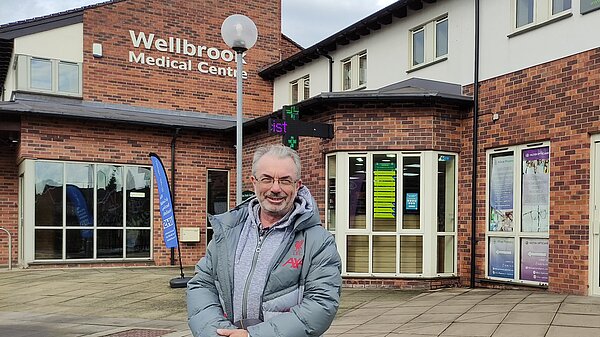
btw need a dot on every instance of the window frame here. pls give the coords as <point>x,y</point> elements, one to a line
<point>25,72</point>
<point>542,15</point>
<point>208,226</point>
<point>427,231</point>
<point>30,195</point>
<point>358,76</point>
<point>300,85</point>
<point>517,234</point>
<point>430,43</point>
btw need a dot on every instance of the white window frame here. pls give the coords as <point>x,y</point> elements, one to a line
<point>429,44</point>
<point>27,170</point>
<point>542,15</point>
<point>23,78</point>
<point>300,85</point>
<point>428,200</point>
<point>356,82</point>
<point>516,234</point>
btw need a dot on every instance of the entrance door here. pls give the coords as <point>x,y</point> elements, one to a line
<point>595,218</point>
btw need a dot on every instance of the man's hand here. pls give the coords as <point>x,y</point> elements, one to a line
<point>233,332</point>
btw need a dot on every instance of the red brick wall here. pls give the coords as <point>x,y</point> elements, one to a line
<point>288,47</point>
<point>9,199</point>
<point>125,144</point>
<point>114,79</point>
<point>558,102</point>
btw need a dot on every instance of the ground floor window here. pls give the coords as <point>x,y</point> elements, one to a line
<point>518,195</point>
<point>217,197</point>
<point>393,213</point>
<point>87,211</point>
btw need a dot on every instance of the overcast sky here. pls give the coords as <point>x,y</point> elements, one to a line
<point>305,21</point>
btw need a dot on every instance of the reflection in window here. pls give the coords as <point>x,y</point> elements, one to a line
<point>445,254</point>
<point>217,196</point>
<point>48,194</point>
<point>560,6</point>
<point>418,44</point>
<point>110,196</point>
<point>441,37</point>
<point>446,191</point>
<point>331,183</point>
<point>347,75</point>
<point>138,181</point>
<point>411,254</point>
<point>41,74</point>
<point>362,69</point>
<point>80,244</point>
<point>384,192</point>
<point>357,193</point>
<point>524,12</point>
<point>411,178</point>
<point>48,244</point>
<point>357,255</point>
<point>138,243</point>
<point>68,77</point>
<point>110,243</point>
<point>384,254</point>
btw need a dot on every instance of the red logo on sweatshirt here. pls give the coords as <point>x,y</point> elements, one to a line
<point>298,247</point>
<point>294,262</point>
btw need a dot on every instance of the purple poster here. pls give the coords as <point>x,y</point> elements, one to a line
<point>534,260</point>
<point>535,197</point>
<point>501,257</point>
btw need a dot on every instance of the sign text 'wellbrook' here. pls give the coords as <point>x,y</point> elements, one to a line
<point>182,50</point>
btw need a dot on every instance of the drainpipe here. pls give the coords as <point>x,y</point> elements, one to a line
<point>173,141</point>
<point>475,150</point>
<point>330,68</point>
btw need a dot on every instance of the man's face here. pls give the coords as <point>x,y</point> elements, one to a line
<point>275,185</point>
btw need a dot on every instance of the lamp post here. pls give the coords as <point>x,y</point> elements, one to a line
<point>240,34</point>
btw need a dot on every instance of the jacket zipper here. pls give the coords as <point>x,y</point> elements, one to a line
<point>259,244</point>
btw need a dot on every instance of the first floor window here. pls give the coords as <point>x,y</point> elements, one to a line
<point>532,12</point>
<point>51,76</point>
<point>300,89</point>
<point>386,221</point>
<point>91,211</point>
<point>518,213</point>
<point>354,72</point>
<point>429,42</point>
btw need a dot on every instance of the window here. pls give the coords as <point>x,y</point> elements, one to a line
<point>91,211</point>
<point>518,213</point>
<point>217,196</point>
<point>529,13</point>
<point>354,72</point>
<point>429,43</point>
<point>300,89</point>
<point>386,220</point>
<point>49,76</point>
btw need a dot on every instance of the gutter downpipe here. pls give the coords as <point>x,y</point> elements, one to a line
<point>173,141</point>
<point>474,146</point>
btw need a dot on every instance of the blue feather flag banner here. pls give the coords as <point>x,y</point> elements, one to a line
<point>166,205</point>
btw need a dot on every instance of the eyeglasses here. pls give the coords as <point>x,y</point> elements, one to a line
<point>269,181</point>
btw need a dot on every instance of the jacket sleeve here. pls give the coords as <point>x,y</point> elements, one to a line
<point>205,311</point>
<point>321,298</point>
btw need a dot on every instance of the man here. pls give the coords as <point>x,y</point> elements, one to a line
<point>270,269</point>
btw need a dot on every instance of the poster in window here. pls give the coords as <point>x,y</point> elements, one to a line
<point>536,190</point>
<point>412,202</point>
<point>534,260</point>
<point>501,257</point>
<point>384,190</point>
<point>501,194</point>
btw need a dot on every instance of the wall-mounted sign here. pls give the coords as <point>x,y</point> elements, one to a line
<point>182,55</point>
<point>587,6</point>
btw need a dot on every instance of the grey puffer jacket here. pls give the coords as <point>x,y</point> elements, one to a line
<point>302,291</point>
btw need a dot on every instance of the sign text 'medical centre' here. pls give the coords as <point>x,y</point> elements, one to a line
<point>182,50</point>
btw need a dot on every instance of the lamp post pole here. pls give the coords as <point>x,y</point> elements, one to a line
<point>239,126</point>
<point>240,34</point>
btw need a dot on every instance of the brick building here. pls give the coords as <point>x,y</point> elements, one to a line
<point>406,90</point>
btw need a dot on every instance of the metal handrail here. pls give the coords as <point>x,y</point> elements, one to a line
<point>9,248</point>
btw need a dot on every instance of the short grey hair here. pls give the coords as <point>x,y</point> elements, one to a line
<point>278,151</point>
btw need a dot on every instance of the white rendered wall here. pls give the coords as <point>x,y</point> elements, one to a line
<point>318,70</point>
<point>501,55</point>
<point>64,43</point>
